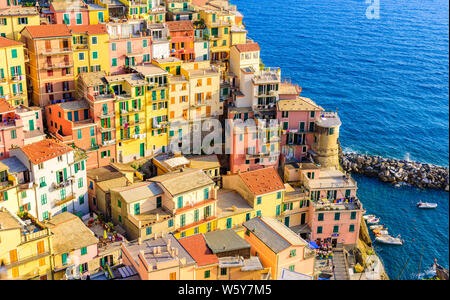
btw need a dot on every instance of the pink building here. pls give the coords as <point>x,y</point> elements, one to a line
<point>297,117</point>
<point>336,212</point>
<point>254,147</point>
<point>128,47</point>
<point>69,12</point>
<point>19,126</point>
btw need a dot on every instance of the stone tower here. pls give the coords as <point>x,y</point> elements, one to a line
<point>325,146</point>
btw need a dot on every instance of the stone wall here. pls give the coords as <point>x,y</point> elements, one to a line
<point>396,171</point>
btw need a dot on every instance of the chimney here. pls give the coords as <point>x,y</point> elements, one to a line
<point>155,250</point>
<point>139,241</point>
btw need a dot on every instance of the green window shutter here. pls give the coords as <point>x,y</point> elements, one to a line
<point>5,196</point>
<point>82,165</point>
<point>65,174</point>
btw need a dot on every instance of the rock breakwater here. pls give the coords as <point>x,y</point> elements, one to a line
<point>396,171</point>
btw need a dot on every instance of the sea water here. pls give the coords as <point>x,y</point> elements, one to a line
<point>388,77</point>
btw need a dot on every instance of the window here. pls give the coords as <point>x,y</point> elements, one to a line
<point>13,134</point>
<point>331,132</point>
<point>148,231</point>
<point>258,213</point>
<point>94,40</point>
<point>81,200</point>
<point>81,56</point>
<point>247,216</point>
<point>320,217</point>
<point>229,222</point>
<point>14,53</point>
<point>278,210</point>
<point>319,229</point>
<point>351,228</point>
<point>66,19</point>
<point>119,203</point>
<point>43,199</point>
<point>337,216</point>
<point>312,114</point>
<point>120,219</point>
<point>64,259</point>
<point>278,195</point>
<point>158,202</point>
<point>137,209</point>
<point>207,274</point>
<point>180,202</point>
<point>83,251</point>
<point>293,253</point>
<point>223,271</point>
<point>80,182</point>
<point>79,19</point>
<point>335,229</point>
<point>42,182</point>
<point>79,134</point>
<point>353,215</point>
<point>113,47</point>
<point>292,268</point>
<point>206,194</point>
<point>258,200</point>
<point>170,223</point>
<point>45,215</point>
<point>182,220</point>
<point>95,55</point>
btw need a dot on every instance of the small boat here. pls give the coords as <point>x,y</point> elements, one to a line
<point>373,227</point>
<point>373,221</point>
<point>366,217</point>
<point>425,205</point>
<point>379,232</point>
<point>387,239</point>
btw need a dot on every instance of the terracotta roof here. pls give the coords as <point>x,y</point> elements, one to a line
<point>196,246</point>
<point>52,30</point>
<point>180,26</point>
<point>4,42</point>
<point>89,29</point>
<point>5,106</point>
<point>247,47</point>
<point>262,181</point>
<point>44,150</point>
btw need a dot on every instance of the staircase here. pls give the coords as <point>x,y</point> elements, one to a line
<point>340,264</point>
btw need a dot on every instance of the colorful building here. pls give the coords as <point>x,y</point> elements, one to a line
<point>278,247</point>
<point>25,249</point>
<point>94,88</point>
<point>297,119</point>
<point>325,148</point>
<point>181,40</point>
<point>13,85</point>
<point>15,18</point>
<point>57,174</point>
<point>69,12</point>
<point>73,245</point>
<point>90,48</point>
<point>159,258</point>
<point>262,189</point>
<point>130,44</point>
<point>19,126</point>
<point>51,76</point>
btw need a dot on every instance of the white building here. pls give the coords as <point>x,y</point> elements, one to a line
<point>201,48</point>
<point>57,176</point>
<point>160,43</point>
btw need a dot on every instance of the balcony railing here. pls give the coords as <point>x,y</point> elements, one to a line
<point>56,51</point>
<point>68,198</point>
<point>108,143</point>
<point>62,184</point>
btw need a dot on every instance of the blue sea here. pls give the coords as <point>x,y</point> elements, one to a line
<point>389,79</point>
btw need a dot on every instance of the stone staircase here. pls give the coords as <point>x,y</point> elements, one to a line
<point>340,264</point>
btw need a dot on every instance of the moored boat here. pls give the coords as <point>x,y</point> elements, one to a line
<point>373,227</point>
<point>367,217</point>
<point>387,239</point>
<point>379,232</point>
<point>426,205</point>
<point>373,221</point>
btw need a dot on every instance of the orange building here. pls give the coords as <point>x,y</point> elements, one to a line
<point>50,67</point>
<point>182,35</point>
<point>278,247</point>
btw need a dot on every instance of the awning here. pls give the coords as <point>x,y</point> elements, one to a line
<point>313,245</point>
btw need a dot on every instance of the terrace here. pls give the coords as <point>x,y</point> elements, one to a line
<point>351,203</point>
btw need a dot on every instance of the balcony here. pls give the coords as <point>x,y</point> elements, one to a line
<point>9,124</point>
<point>54,51</point>
<point>51,66</point>
<point>68,198</point>
<point>80,46</point>
<point>27,259</point>
<point>109,129</point>
<point>6,184</point>
<point>62,184</point>
<point>107,115</point>
<point>17,78</point>
<point>350,203</point>
<point>108,143</point>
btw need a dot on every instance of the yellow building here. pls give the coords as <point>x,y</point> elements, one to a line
<point>24,249</point>
<point>326,140</point>
<point>263,190</point>
<point>156,102</point>
<point>137,9</point>
<point>14,19</point>
<point>98,13</point>
<point>9,197</point>
<point>129,100</point>
<point>90,48</point>
<point>182,202</point>
<point>13,85</point>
